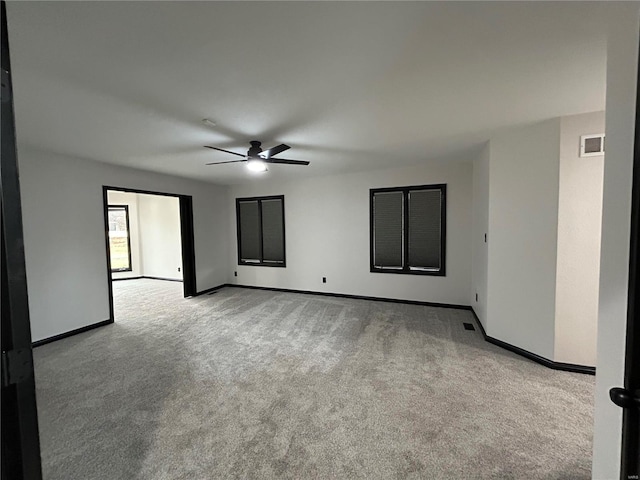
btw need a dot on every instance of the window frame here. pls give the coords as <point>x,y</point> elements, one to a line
<point>261,263</point>
<point>406,268</point>
<point>126,216</point>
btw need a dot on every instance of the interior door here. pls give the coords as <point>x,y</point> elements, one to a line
<point>628,397</point>
<point>20,440</point>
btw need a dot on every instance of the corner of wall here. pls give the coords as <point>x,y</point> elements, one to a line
<point>480,226</point>
<point>522,235</point>
<point>579,229</point>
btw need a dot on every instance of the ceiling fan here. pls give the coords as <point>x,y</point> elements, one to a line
<point>257,158</point>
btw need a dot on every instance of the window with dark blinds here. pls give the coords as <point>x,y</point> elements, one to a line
<point>249,214</point>
<point>424,229</point>
<point>272,231</point>
<point>260,223</point>
<point>387,225</point>
<point>408,229</point>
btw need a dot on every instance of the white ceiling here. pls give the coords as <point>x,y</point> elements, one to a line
<point>350,86</point>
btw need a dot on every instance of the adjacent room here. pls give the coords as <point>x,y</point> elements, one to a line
<point>324,239</point>
<point>144,242</point>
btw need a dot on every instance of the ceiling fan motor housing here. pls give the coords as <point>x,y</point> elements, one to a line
<point>256,153</point>
<point>255,149</point>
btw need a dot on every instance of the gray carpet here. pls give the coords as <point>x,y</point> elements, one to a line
<point>258,384</point>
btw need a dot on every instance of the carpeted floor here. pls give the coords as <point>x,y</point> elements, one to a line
<point>256,384</point>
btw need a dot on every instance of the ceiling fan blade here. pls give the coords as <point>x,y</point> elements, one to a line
<point>284,161</point>
<point>274,151</point>
<point>230,161</point>
<point>225,151</point>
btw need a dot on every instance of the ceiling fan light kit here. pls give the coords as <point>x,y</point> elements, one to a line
<point>256,165</point>
<point>257,159</point>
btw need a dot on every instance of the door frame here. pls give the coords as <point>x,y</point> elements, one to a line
<point>20,440</point>
<point>630,455</point>
<point>186,238</point>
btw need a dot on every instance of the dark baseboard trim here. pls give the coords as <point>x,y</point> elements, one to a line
<point>209,290</point>
<point>572,367</point>
<point>566,367</point>
<point>71,333</point>
<point>354,297</point>
<point>145,276</point>
<point>479,323</point>
<point>162,278</point>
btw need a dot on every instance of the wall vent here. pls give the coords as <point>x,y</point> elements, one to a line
<point>592,145</point>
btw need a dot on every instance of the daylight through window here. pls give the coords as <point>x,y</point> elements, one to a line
<point>119,241</point>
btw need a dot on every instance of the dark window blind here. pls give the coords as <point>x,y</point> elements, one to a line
<point>387,230</point>
<point>408,229</point>
<point>249,231</point>
<point>272,231</point>
<point>425,208</point>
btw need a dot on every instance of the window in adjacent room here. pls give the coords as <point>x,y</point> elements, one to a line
<point>260,223</point>
<point>408,229</point>
<point>119,241</point>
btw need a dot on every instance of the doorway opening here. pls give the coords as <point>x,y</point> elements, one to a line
<point>148,235</point>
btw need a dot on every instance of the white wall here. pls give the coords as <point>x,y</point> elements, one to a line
<point>480,215</point>
<point>537,277</point>
<point>64,235</point>
<point>622,71</point>
<point>154,231</point>
<point>131,200</point>
<point>522,238</point>
<point>579,225</point>
<point>160,242</point>
<point>327,234</point>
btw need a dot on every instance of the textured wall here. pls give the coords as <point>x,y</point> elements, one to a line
<point>579,226</point>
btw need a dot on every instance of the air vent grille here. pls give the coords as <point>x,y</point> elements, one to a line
<point>592,145</point>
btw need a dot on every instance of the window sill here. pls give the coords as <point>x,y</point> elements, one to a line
<point>434,273</point>
<point>262,264</point>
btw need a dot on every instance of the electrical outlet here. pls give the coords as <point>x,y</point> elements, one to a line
<point>324,279</point>
<point>476,297</point>
<point>485,238</point>
<point>178,269</point>
<point>235,274</point>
